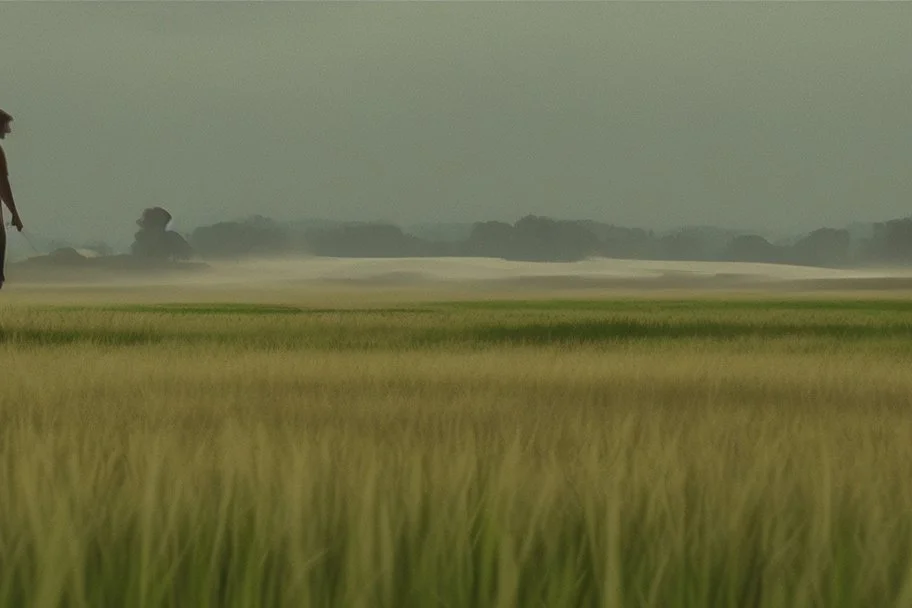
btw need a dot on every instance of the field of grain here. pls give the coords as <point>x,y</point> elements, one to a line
<point>413,451</point>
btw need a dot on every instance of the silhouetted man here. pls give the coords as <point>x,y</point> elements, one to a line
<point>6,193</point>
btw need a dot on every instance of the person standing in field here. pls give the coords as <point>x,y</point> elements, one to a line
<point>6,193</point>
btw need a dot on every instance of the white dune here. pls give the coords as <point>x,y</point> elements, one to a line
<point>489,269</point>
<point>462,274</point>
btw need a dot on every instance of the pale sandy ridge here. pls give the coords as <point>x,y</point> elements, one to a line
<point>329,279</point>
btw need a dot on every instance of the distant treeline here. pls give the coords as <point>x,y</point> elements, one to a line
<point>535,238</point>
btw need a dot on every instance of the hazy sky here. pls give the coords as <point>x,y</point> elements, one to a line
<point>774,116</point>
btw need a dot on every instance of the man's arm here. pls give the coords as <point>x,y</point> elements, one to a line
<point>6,193</point>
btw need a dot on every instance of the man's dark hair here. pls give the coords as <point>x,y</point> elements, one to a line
<point>5,118</point>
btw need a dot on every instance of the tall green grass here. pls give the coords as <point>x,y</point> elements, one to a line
<point>259,457</point>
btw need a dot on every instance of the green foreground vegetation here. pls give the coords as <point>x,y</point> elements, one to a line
<point>624,452</point>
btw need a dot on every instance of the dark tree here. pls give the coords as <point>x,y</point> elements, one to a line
<point>752,248</point>
<point>892,242</point>
<point>366,240</point>
<point>490,240</point>
<point>822,247</point>
<point>154,240</point>
<point>254,236</point>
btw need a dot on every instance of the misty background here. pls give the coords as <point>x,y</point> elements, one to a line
<point>775,118</point>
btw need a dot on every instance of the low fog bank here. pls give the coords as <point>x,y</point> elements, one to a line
<point>590,273</point>
<point>277,273</point>
<point>452,269</point>
<point>536,253</point>
<point>529,239</point>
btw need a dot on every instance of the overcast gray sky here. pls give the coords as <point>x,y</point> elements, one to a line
<point>773,116</point>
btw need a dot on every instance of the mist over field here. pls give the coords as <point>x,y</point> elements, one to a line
<point>463,304</point>
<point>461,277</point>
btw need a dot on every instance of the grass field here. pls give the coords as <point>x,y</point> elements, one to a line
<point>456,452</point>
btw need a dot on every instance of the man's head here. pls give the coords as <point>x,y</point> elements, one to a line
<point>5,124</point>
